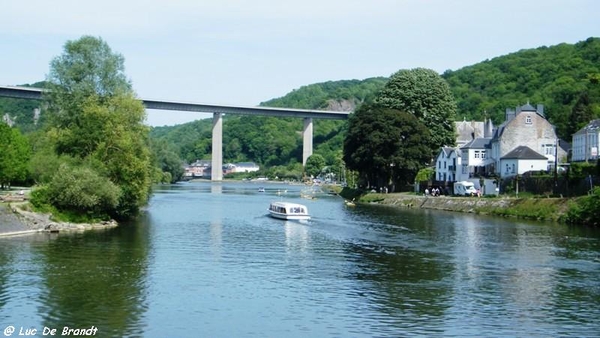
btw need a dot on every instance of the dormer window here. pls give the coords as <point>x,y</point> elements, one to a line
<point>528,119</point>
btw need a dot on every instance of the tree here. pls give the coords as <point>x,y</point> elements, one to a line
<point>426,95</point>
<point>314,164</point>
<point>385,145</point>
<point>96,118</point>
<point>14,155</point>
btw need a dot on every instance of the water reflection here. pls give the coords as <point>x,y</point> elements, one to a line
<point>96,278</point>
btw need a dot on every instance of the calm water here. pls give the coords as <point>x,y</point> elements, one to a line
<point>206,261</point>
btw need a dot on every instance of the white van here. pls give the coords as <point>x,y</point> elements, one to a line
<point>465,188</point>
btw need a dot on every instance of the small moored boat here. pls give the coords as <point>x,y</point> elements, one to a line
<point>288,211</point>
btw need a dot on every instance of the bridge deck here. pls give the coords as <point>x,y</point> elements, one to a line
<point>36,94</point>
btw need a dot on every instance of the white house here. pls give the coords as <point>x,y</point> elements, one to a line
<point>475,157</point>
<point>586,142</point>
<point>446,164</point>
<point>245,167</point>
<point>521,160</point>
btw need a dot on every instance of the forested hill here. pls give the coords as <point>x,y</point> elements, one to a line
<point>342,95</point>
<point>556,76</point>
<point>20,112</point>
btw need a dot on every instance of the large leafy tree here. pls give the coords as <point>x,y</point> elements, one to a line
<point>97,120</point>
<point>14,155</point>
<point>385,145</point>
<point>426,95</point>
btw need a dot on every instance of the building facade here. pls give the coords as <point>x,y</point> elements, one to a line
<point>586,142</point>
<point>525,126</point>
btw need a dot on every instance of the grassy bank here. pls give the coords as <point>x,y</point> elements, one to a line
<point>544,209</point>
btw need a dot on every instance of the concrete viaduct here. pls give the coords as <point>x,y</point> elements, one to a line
<point>218,111</point>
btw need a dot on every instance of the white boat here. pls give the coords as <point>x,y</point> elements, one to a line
<point>261,189</point>
<point>289,211</point>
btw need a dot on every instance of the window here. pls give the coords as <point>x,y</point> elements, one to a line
<point>528,119</point>
<point>444,165</point>
<point>507,168</point>
<point>439,164</point>
<point>476,153</point>
<point>483,154</point>
<point>513,168</point>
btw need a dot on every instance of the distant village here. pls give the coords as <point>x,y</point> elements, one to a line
<point>202,169</point>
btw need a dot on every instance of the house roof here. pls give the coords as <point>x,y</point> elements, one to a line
<point>246,164</point>
<point>528,107</point>
<point>593,126</point>
<point>523,153</point>
<point>478,143</point>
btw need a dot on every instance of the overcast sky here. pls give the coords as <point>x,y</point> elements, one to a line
<point>246,52</point>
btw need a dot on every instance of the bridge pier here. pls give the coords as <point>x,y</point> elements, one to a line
<point>307,139</point>
<point>217,148</point>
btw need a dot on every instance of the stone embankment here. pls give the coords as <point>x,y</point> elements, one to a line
<point>14,220</point>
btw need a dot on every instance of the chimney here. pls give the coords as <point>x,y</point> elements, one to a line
<point>488,128</point>
<point>510,114</point>
<point>540,110</point>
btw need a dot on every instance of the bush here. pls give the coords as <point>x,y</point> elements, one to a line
<point>585,211</point>
<point>80,190</point>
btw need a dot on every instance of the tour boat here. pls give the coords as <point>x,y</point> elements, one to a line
<point>288,211</point>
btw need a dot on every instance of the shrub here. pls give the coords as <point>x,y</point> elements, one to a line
<point>81,190</point>
<point>585,211</point>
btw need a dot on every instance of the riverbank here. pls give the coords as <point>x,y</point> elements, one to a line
<point>18,219</point>
<point>544,209</point>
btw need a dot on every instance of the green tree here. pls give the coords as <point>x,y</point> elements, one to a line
<point>385,145</point>
<point>95,117</point>
<point>14,155</point>
<point>425,94</point>
<point>314,164</point>
<point>166,158</point>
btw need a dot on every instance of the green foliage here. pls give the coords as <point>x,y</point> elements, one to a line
<point>96,123</point>
<point>167,159</point>
<point>426,95</point>
<point>14,155</point>
<point>425,174</point>
<point>585,210</point>
<point>314,164</point>
<point>556,76</point>
<point>385,144</point>
<point>331,95</point>
<point>80,190</point>
<point>21,111</point>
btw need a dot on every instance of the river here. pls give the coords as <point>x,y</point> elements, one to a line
<point>205,260</point>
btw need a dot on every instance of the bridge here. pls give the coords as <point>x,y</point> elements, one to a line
<point>218,111</point>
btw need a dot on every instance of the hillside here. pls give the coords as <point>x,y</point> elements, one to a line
<point>556,76</point>
<point>21,112</point>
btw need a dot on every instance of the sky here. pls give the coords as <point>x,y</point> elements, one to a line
<point>242,52</point>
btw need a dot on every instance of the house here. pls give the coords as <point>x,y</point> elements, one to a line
<point>245,167</point>
<point>524,126</point>
<point>586,142</point>
<point>521,160</point>
<point>476,158</point>
<point>197,169</point>
<point>446,164</point>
